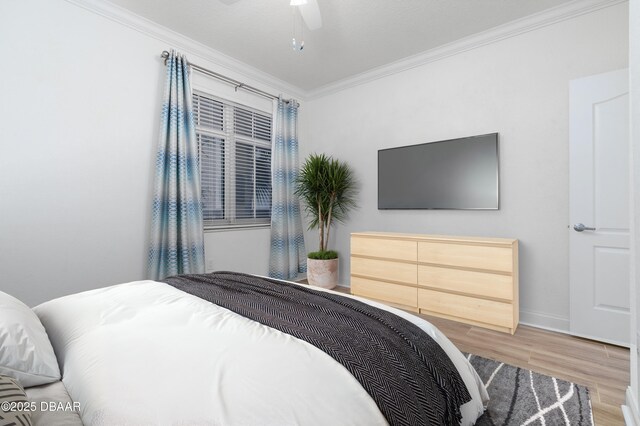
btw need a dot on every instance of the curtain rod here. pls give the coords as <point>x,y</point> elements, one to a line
<point>237,84</point>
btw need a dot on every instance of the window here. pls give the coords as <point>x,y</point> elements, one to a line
<point>234,147</point>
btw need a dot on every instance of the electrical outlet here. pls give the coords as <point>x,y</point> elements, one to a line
<point>210,265</point>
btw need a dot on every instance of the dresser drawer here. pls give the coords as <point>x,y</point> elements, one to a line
<point>467,256</point>
<point>394,293</point>
<point>495,286</point>
<point>385,270</point>
<point>385,248</point>
<point>470,308</point>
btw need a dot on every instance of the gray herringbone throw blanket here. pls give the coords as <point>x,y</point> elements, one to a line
<point>405,371</point>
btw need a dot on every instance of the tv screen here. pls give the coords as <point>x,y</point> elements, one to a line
<point>456,174</point>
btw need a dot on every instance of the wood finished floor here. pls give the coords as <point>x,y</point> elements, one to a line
<point>603,368</point>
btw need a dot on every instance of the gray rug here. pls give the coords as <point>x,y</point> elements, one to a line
<point>522,397</point>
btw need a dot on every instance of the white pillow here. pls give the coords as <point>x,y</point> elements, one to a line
<point>25,350</point>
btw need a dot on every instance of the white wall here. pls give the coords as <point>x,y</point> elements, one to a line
<point>79,114</point>
<point>517,87</point>
<point>245,251</point>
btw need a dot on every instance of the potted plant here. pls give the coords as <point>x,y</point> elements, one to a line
<point>327,188</point>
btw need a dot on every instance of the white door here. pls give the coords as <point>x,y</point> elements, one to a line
<point>599,207</point>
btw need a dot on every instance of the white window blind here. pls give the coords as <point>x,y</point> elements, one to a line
<point>234,146</point>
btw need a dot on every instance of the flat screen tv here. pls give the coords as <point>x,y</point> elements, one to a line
<point>456,174</point>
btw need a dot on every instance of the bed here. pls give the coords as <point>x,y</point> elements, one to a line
<point>148,353</point>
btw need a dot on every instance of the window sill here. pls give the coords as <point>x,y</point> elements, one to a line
<point>225,228</point>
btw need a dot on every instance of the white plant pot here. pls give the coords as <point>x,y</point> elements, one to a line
<point>322,273</point>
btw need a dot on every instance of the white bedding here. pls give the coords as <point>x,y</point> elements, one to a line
<point>145,353</point>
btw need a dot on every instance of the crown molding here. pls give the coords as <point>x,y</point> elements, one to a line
<point>176,40</point>
<point>514,28</point>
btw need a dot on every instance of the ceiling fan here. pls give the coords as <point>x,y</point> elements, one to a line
<point>310,13</point>
<point>308,9</point>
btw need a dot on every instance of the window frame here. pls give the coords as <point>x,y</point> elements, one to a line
<point>230,138</point>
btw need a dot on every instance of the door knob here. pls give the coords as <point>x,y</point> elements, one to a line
<point>579,227</point>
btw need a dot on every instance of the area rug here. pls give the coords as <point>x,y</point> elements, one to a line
<point>523,397</point>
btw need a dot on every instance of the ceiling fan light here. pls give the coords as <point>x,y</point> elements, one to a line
<point>297,2</point>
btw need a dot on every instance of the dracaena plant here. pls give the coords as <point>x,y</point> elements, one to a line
<point>327,188</point>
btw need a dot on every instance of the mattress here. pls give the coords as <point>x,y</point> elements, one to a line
<point>145,353</point>
<point>53,406</point>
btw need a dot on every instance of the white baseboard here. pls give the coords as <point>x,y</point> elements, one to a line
<point>560,325</point>
<point>630,410</point>
<point>544,321</point>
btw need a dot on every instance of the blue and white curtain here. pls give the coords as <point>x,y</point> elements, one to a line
<point>177,239</point>
<point>288,256</point>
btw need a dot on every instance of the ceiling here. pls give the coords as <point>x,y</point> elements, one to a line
<point>356,36</point>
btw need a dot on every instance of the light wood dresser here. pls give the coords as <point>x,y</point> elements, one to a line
<point>467,279</point>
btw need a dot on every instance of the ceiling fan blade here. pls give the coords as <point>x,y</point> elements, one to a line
<point>311,14</point>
